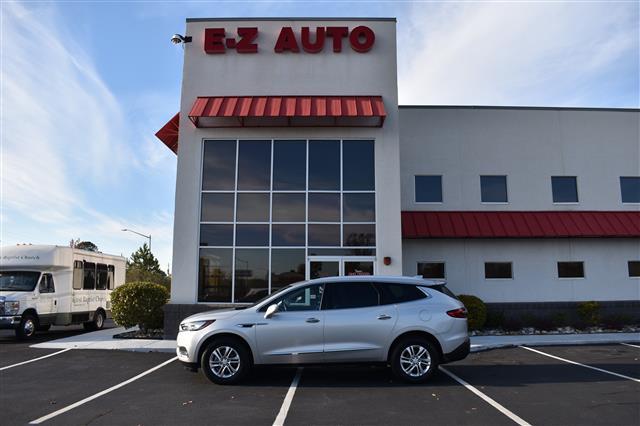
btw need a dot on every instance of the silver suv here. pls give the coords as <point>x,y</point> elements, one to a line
<point>410,323</point>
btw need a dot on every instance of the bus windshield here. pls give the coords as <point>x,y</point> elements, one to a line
<point>18,280</point>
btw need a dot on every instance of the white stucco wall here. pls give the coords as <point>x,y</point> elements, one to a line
<point>535,276</point>
<point>269,73</point>
<point>527,145</point>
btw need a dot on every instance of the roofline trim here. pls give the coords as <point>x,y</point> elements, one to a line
<point>302,18</point>
<point>512,107</point>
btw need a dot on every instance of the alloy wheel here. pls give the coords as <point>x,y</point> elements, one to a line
<point>224,362</point>
<point>415,360</point>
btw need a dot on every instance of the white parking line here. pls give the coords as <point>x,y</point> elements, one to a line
<point>487,398</point>
<point>581,365</point>
<point>99,394</point>
<point>629,344</point>
<point>284,409</point>
<point>34,359</point>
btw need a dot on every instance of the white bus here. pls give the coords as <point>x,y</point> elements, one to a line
<point>43,285</point>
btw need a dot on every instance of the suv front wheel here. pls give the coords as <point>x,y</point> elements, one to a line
<point>414,360</point>
<point>225,361</point>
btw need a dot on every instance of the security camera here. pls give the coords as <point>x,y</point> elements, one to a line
<point>177,39</point>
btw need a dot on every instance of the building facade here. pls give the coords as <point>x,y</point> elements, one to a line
<point>295,162</point>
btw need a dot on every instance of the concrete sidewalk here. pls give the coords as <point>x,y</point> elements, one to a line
<point>103,339</point>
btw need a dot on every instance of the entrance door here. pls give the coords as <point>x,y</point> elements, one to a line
<point>337,266</point>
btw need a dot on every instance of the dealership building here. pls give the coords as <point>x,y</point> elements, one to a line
<point>295,161</point>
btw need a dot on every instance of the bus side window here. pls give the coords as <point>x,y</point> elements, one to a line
<point>101,282</point>
<point>78,275</point>
<point>110,276</point>
<point>89,282</point>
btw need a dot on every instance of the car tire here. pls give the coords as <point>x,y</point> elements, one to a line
<point>27,328</point>
<point>414,360</point>
<point>225,361</point>
<point>97,323</point>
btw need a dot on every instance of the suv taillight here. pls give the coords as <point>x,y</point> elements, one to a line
<point>458,313</point>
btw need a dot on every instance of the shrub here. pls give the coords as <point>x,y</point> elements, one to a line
<point>589,312</point>
<point>477,315</point>
<point>139,303</point>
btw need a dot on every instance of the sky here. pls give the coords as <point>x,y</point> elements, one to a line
<point>84,86</point>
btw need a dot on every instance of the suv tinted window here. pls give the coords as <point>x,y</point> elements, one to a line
<point>443,289</point>
<point>398,293</point>
<point>350,295</point>
<point>303,299</point>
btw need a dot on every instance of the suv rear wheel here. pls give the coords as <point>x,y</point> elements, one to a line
<point>414,360</point>
<point>225,361</point>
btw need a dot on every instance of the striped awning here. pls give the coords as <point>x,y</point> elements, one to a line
<point>288,111</point>
<point>520,224</point>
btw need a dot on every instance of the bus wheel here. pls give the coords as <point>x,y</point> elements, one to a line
<point>27,328</point>
<point>97,323</point>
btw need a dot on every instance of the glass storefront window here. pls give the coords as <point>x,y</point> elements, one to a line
<point>358,167</point>
<point>217,207</point>
<point>252,235</point>
<point>254,165</point>
<point>288,207</point>
<point>324,235</point>
<point>253,207</point>
<point>287,267</point>
<point>216,235</point>
<point>287,235</point>
<point>219,165</point>
<point>324,165</point>
<point>324,207</point>
<point>289,165</point>
<point>251,275</point>
<point>267,205</point>
<point>215,275</point>
<point>359,207</point>
<point>360,235</point>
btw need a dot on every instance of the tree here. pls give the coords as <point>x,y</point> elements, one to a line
<point>84,245</point>
<point>143,266</point>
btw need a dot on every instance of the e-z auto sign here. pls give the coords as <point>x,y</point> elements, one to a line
<point>246,39</point>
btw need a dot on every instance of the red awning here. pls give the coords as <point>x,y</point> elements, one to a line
<point>169,133</point>
<point>520,224</point>
<point>288,111</point>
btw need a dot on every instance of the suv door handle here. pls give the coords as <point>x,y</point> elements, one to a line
<point>384,317</point>
<point>312,320</point>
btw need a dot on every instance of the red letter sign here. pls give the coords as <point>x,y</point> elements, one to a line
<point>286,41</point>
<point>366,34</point>
<point>318,45</point>
<point>337,33</point>
<point>214,40</point>
<point>246,45</point>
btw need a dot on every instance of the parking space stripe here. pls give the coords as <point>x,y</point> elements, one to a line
<point>99,394</point>
<point>284,409</point>
<point>34,359</point>
<point>486,398</point>
<point>629,344</point>
<point>580,364</point>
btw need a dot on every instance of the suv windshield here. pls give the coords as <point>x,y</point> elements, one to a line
<point>18,280</point>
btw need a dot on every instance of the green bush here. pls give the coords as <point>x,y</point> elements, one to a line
<point>589,312</point>
<point>139,303</point>
<point>477,311</point>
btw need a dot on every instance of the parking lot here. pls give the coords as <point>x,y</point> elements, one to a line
<point>76,387</point>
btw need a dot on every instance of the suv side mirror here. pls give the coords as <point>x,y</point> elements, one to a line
<point>271,311</point>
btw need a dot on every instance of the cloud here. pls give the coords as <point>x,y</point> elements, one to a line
<point>68,161</point>
<point>519,53</point>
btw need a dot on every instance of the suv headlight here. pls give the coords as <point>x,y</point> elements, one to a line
<point>11,307</point>
<point>195,325</point>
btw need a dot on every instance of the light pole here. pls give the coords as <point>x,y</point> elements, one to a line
<point>142,235</point>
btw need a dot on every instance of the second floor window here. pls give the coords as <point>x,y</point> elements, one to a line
<point>630,189</point>
<point>428,189</point>
<point>564,189</point>
<point>493,189</point>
